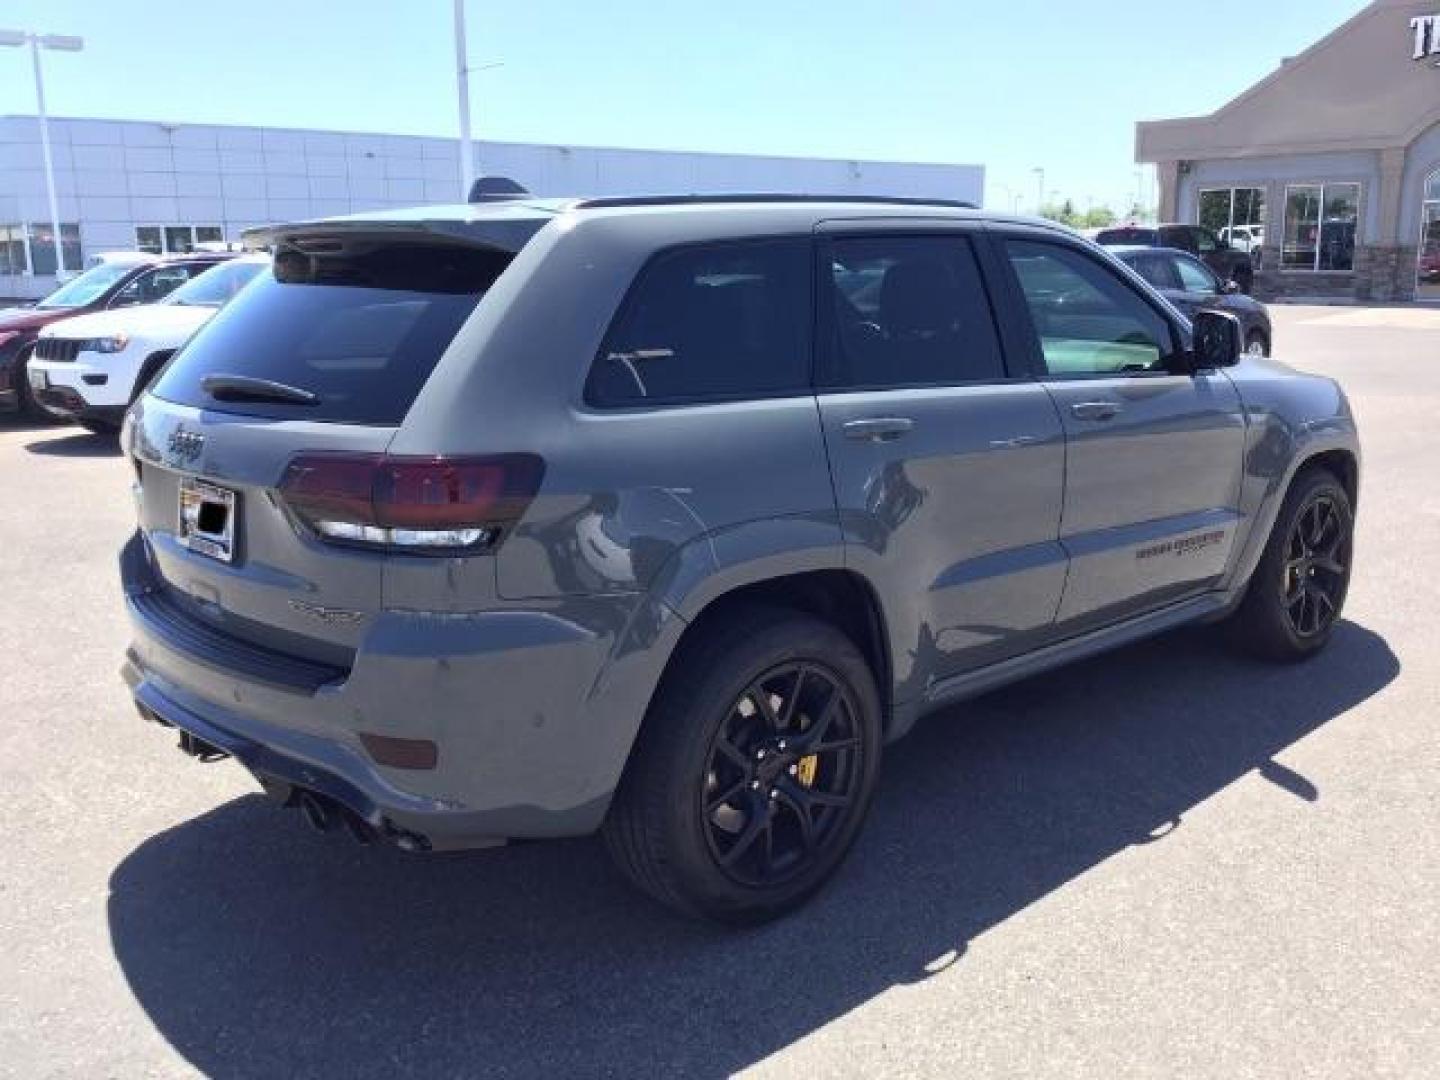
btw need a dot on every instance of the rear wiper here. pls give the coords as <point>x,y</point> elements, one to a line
<point>246,388</point>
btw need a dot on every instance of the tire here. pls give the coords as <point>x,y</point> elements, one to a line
<point>25,400</point>
<point>1294,599</point>
<point>1256,345</point>
<point>711,814</point>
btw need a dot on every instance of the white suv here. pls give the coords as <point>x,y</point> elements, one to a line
<point>92,367</point>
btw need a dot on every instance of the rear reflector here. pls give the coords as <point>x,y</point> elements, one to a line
<point>400,753</point>
<point>423,505</point>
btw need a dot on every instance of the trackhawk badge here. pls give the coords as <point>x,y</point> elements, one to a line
<point>332,615</point>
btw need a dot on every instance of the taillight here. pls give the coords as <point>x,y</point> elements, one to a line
<point>424,505</point>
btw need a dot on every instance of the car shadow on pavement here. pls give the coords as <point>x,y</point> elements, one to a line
<point>76,444</point>
<point>257,947</point>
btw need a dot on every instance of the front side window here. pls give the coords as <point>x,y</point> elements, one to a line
<point>151,286</point>
<point>719,322</point>
<point>1195,276</point>
<point>1321,221</point>
<point>1088,321</point>
<point>908,311</point>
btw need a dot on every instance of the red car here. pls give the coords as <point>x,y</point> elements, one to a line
<point>122,280</point>
<point>1430,263</point>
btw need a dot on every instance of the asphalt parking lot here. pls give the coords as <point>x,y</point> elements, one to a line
<point>1168,862</point>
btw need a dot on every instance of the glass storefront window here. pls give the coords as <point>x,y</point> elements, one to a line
<point>1321,221</point>
<point>1235,215</point>
<point>38,255</point>
<point>1338,226</point>
<point>1427,286</point>
<point>175,239</point>
<point>12,249</point>
<point>1302,228</point>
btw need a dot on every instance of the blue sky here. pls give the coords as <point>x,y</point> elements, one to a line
<point>1012,86</point>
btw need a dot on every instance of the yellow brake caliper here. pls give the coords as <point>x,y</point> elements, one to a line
<point>806,768</point>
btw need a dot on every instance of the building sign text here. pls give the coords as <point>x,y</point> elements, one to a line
<point>1427,37</point>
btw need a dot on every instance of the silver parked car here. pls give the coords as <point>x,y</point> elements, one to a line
<point>661,516</point>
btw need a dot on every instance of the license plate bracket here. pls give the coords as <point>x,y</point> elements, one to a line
<point>207,518</point>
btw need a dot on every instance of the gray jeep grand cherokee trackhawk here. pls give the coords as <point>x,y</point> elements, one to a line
<point>661,516</point>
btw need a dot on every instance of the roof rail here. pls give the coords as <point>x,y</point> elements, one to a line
<point>766,197</point>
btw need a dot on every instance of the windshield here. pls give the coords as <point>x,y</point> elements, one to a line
<point>217,286</point>
<point>88,287</point>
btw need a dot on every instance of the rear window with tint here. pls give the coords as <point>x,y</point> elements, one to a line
<point>362,331</point>
<point>1122,237</point>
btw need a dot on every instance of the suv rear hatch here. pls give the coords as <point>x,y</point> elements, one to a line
<point>266,501</point>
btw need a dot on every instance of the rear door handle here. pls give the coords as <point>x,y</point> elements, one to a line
<point>1095,410</point>
<point>879,429</point>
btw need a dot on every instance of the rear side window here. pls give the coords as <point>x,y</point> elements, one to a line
<point>1124,237</point>
<point>722,322</point>
<point>908,311</point>
<point>361,330</point>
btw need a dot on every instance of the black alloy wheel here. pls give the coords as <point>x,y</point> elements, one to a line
<point>1297,592</point>
<point>1317,567</point>
<point>785,765</point>
<point>754,768</point>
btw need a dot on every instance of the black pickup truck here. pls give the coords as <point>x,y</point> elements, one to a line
<point>1230,263</point>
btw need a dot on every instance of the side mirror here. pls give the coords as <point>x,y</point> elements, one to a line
<point>1215,340</point>
<point>1230,288</point>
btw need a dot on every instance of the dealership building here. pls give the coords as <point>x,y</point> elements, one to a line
<point>165,187</point>
<point>1336,155</point>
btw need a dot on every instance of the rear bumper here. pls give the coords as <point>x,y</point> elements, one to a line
<point>509,698</point>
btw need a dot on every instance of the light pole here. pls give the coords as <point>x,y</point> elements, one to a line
<point>15,39</point>
<point>462,81</point>
<point>1039,190</point>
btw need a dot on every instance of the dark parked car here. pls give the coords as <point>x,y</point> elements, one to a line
<point>663,516</point>
<point>122,280</point>
<point>1192,287</point>
<point>1430,262</point>
<point>1230,263</point>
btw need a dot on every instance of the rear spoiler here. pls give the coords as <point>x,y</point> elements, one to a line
<point>495,229</point>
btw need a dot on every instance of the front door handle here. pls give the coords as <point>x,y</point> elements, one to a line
<point>1095,410</point>
<point>879,429</point>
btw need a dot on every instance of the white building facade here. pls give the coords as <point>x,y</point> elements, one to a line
<point>164,187</point>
